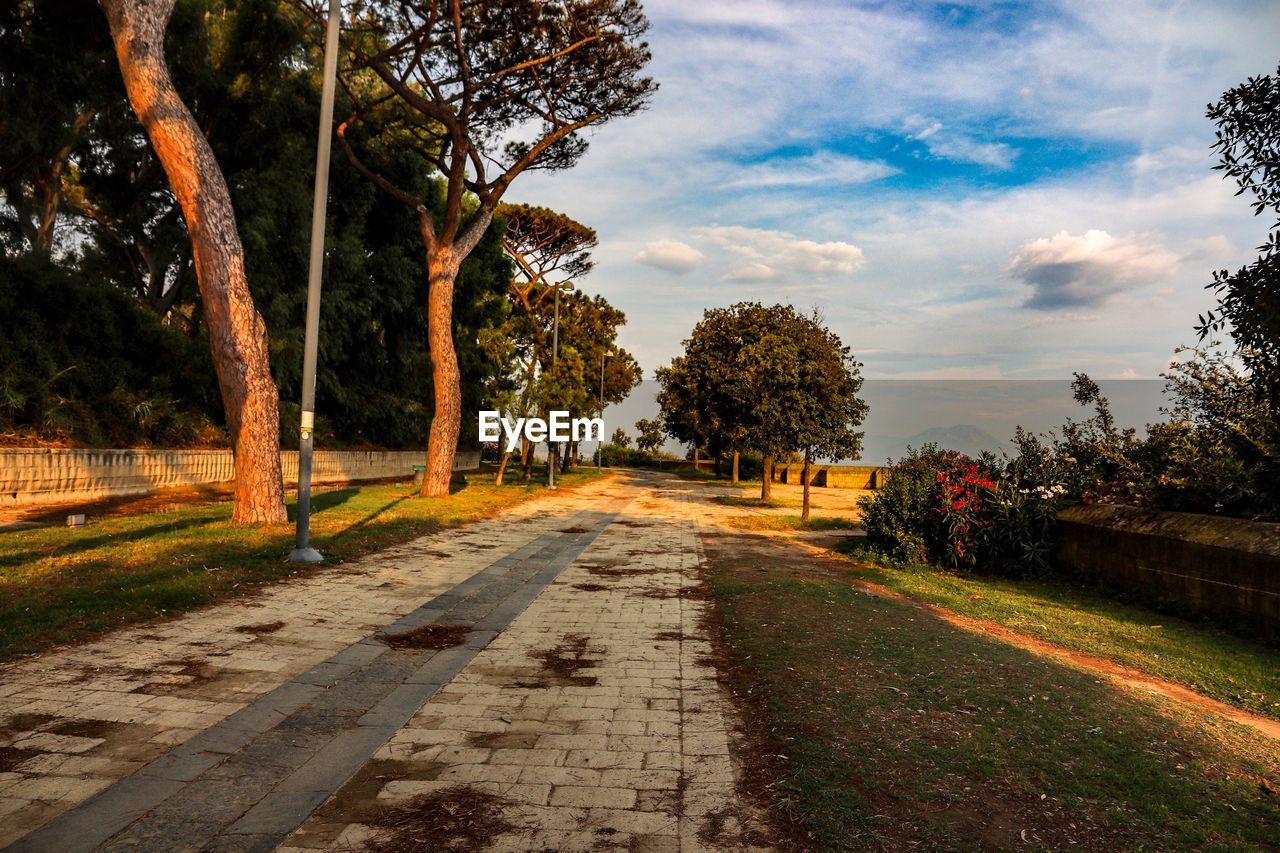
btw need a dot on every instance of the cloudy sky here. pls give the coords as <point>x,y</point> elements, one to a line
<point>966,190</point>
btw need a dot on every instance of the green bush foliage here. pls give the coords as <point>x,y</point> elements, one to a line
<point>947,508</point>
<point>87,362</point>
<point>1218,453</point>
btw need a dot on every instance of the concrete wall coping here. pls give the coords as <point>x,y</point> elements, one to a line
<point>1236,534</point>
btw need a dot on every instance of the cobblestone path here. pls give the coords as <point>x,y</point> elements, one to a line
<point>536,681</point>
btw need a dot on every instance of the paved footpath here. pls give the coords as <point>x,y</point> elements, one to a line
<point>574,708</point>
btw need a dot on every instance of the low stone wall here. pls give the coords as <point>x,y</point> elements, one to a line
<point>1222,568</point>
<point>833,476</point>
<point>59,475</point>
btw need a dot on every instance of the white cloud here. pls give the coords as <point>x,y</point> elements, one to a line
<point>783,252</point>
<point>670,255</point>
<point>821,168</point>
<point>752,272</point>
<point>997,155</point>
<point>949,145</point>
<point>1070,271</point>
<point>1112,93</point>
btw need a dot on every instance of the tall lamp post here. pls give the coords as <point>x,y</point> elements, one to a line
<point>600,444</point>
<point>302,551</point>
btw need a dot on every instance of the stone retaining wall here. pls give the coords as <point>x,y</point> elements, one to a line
<point>1222,568</point>
<point>61,475</point>
<point>833,476</point>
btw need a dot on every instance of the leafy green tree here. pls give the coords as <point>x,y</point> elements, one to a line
<point>650,434</point>
<point>249,71</point>
<point>620,438</point>
<point>827,408</point>
<point>1248,147</point>
<point>705,396</point>
<point>481,92</point>
<point>86,364</point>
<point>57,75</point>
<point>683,407</point>
<point>589,327</point>
<point>767,379</point>
<point>549,251</point>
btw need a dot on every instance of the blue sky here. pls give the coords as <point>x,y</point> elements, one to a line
<point>965,190</point>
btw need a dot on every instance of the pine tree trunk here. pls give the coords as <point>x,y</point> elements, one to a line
<point>733,478</point>
<point>766,479</point>
<point>446,379</point>
<point>527,459</point>
<point>695,459</point>
<point>804,477</point>
<point>502,467</point>
<point>237,333</point>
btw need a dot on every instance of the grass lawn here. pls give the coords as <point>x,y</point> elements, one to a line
<point>755,502</point>
<point>702,475</point>
<point>791,522</point>
<point>878,726</point>
<point>1196,654</point>
<point>60,584</point>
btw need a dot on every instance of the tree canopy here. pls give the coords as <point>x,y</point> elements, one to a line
<point>767,379</point>
<point>1248,147</point>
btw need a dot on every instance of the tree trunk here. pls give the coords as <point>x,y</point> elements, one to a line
<point>733,478</point>
<point>717,466</point>
<point>695,459</point>
<point>237,333</point>
<point>502,467</point>
<point>446,379</point>
<point>804,477</point>
<point>527,458</point>
<point>766,479</point>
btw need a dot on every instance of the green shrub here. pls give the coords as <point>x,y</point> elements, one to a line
<point>944,507</point>
<point>897,515</point>
<point>83,362</point>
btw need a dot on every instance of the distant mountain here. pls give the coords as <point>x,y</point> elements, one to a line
<point>966,438</point>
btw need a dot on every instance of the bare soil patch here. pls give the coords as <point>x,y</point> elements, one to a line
<point>606,572</point>
<point>86,728</point>
<point>458,818</point>
<point>261,628</point>
<point>10,758</point>
<point>561,664</point>
<point>659,592</point>
<point>428,637</point>
<point>19,723</point>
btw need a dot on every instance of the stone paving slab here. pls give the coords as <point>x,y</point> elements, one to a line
<point>593,722</point>
<point>583,702</point>
<point>318,746</point>
<point>76,720</point>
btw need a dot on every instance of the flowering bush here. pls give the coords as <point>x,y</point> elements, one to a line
<point>929,508</point>
<point>947,508</point>
<point>961,493</point>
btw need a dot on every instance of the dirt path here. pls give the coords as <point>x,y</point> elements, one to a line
<point>1118,673</point>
